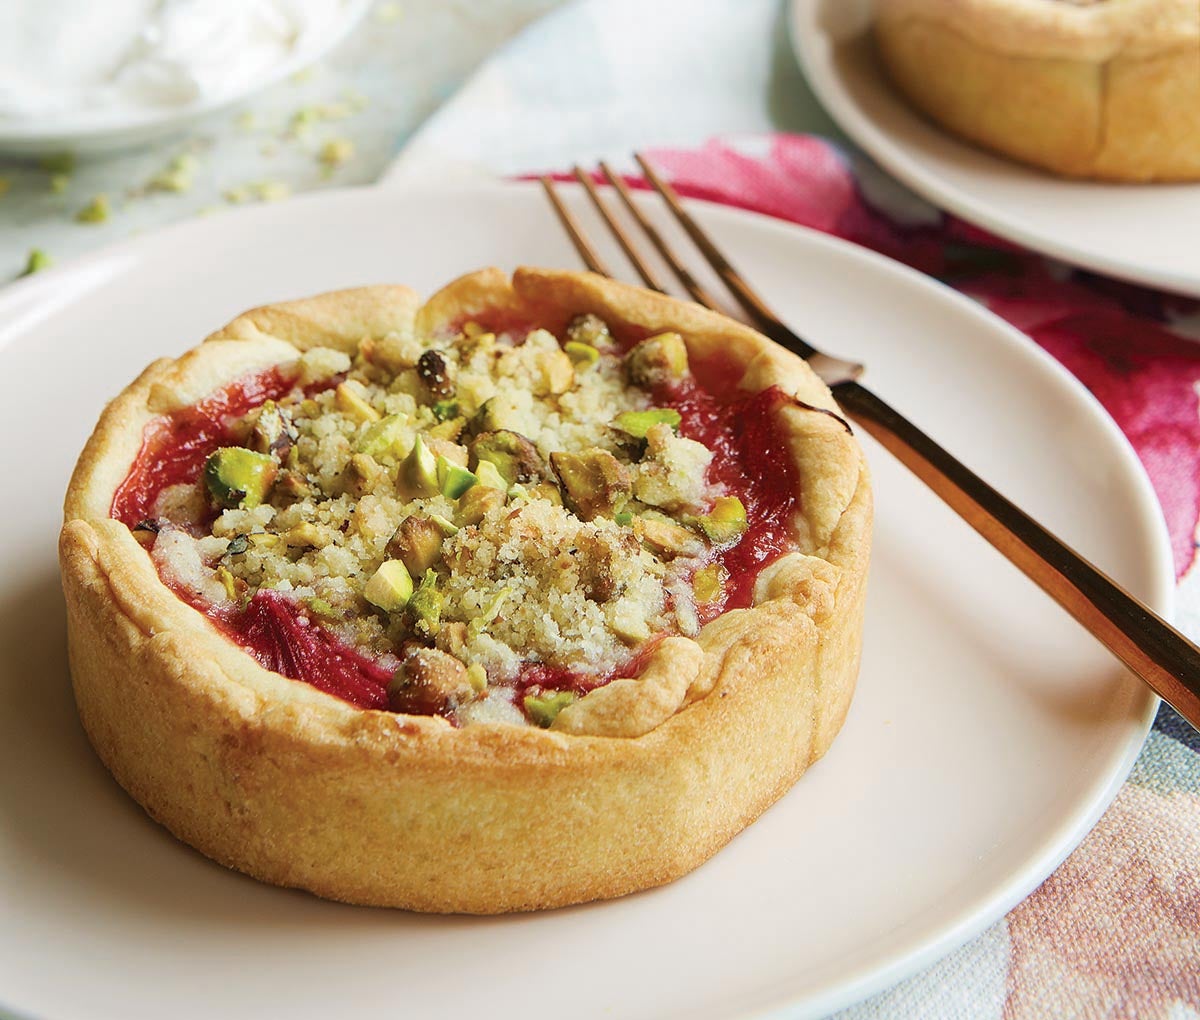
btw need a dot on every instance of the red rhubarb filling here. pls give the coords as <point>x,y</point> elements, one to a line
<point>751,461</point>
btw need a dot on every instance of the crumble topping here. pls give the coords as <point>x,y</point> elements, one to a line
<point>463,507</point>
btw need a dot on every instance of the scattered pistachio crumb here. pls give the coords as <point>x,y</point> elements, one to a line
<point>176,176</point>
<point>37,261</point>
<point>59,183</point>
<point>238,195</point>
<point>5,184</point>
<point>270,191</point>
<point>96,211</point>
<point>58,163</point>
<point>336,151</point>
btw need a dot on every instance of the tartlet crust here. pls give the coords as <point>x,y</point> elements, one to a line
<point>1107,90</point>
<point>638,783</point>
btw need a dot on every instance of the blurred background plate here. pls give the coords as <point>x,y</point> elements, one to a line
<point>1140,232</point>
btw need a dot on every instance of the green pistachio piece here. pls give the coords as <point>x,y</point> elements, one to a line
<point>453,479</point>
<point>477,502</point>
<point>543,708</point>
<point>349,401</point>
<point>418,472</point>
<point>624,518</point>
<point>488,614</point>
<point>582,355</point>
<point>444,410</point>
<point>237,477</point>
<point>425,606</point>
<point>708,583</point>
<point>417,543</point>
<point>390,587</point>
<point>515,457</point>
<point>595,482</point>
<point>489,475</point>
<point>379,439</point>
<point>638,423</point>
<point>448,527</point>
<point>725,522</point>
<point>657,360</point>
<point>589,329</point>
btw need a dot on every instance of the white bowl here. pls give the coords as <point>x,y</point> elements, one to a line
<point>92,134</point>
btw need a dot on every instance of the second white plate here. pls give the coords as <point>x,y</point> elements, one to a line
<point>987,734</point>
<point>1140,232</point>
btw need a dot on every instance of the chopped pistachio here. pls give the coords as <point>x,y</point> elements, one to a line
<point>237,545</point>
<point>229,582</point>
<point>487,474</point>
<point>59,183</point>
<point>543,708</point>
<point>708,583</point>
<point>175,176</point>
<point>666,538</point>
<point>448,528</point>
<point>349,401</point>
<point>380,439</point>
<point>237,477</point>
<point>390,587</point>
<point>273,431</point>
<point>515,457</point>
<point>591,330</point>
<point>236,196</point>
<point>638,423</point>
<point>595,482</point>
<point>96,211</point>
<point>417,543</point>
<point>336,151</point>
<point>5,185</point>
<point>433,371</point>
<point>270,191</point>
<point>477,502</point>
<point>360,475</point>
<point>444,410</point>
<point>624,518</point>
<point>425,606</point>
<point>582,355</point>
<point>37,261</point>
<point>453,479</point>
<point>321,608</point>
<point>658,359</point>
<point>418,472</point>
<point>477,677</point>
<point>726,521</point>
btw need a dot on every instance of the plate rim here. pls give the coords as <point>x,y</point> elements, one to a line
<point>808,37</point>
<point>988,906</point>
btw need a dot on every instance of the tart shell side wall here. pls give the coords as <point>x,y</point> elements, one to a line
<point>379,816</point>
<point>1121,117</point>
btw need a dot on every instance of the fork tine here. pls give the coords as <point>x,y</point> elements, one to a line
<point>631,253</point>
<point>746,296</point>
<point>571,225</point>
<point>689,282</point>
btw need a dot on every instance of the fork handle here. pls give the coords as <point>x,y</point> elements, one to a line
<point>1153,649</point>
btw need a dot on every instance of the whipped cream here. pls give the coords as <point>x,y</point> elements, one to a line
<point>113,59</point>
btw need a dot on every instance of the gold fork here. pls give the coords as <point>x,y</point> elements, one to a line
<point>1154,650</point>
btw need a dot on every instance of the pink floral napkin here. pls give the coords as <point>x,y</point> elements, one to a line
<point>1115,932</point>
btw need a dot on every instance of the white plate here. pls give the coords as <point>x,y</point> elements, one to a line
<point>103,131</point>
<point>987,735</point>
<point>1145,233</point>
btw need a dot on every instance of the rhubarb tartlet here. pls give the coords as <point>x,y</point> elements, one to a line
<point>532,594</point>
<point>1106,89</point>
